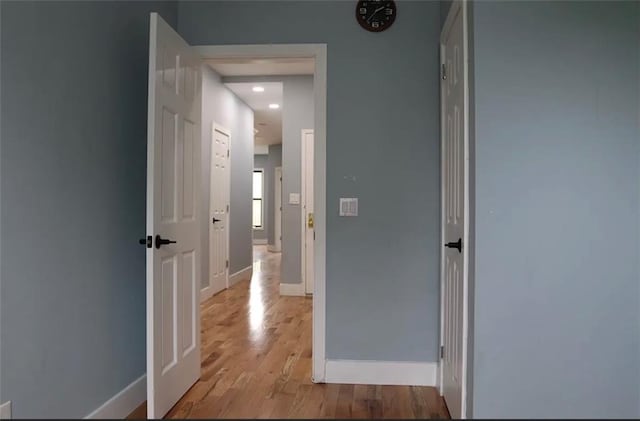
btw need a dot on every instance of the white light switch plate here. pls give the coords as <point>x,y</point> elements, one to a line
<point>5,411</point>
<point>294,198</point>
<point>348,206</point>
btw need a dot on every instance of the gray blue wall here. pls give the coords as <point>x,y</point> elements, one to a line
<point>274,160</point>
<point>222,106</point>
<point>268,163</point>
<point>73,185</point>
<point>297,114</point>
<point>557,204</point>
<point>382,146</point>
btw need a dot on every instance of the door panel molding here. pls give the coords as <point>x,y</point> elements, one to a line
<point>454,285</point>
<point>173,190</point>
<point>219,208</point>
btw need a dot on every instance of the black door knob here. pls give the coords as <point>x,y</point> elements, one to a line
<point>147,241</point>
<point>456,245</point>
<point>163,241</point>
<point>216,220</point>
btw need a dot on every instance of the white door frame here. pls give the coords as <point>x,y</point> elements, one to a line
<point>277,206</point>
<point>208,291</point>
<point>456,6</point>
<point>319,53</point>
<point>303,206</point>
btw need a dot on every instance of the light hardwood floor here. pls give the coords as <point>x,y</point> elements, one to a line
<point>256,362</point>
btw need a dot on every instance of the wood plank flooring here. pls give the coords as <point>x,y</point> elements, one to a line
<point>256,362</point>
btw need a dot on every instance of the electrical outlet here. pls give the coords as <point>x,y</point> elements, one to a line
<point>5,411</point>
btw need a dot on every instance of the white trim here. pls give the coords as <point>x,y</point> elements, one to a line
<point>277,204</point>
<point>273,248</point>
<point>303,205</point>
<point>319,53</point>
<point>206,293</point>
<point>453,11</point>
<point>395,373</point>
<point>260,241</point>
<point>5,411</point>
<point>241,275</point>
<point>124,402</point>
<point>296,290</point>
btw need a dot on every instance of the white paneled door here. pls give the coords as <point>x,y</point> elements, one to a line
<point>307,210</point>
<point>219,209</point>
<point>454,196</point>
<point>173,255</point>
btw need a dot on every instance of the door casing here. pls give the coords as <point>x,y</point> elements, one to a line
<point>305,204</point>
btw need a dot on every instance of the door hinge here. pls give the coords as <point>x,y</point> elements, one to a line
<point>227,208</point>
<point>314,236</point>
<point>227,153</point>
<point>441,352</point>
<point>227,264</point>
<point>444,72</point>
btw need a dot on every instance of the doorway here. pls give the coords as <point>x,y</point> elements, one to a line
<point>319,53</point>
<point>174,259</point>
<point>455,210</point>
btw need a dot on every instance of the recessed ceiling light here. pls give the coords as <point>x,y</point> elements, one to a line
<point>258,89</point>
<point>274,106</point>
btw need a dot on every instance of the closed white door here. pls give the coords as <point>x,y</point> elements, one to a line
<point>173,258</point>
<point>453,169</point>
<point>278,209</point>
<point>307,209</point>
<point>219,209</point>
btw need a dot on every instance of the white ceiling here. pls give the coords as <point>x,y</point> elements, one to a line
<point>262,67</point>
<point>268,122</point>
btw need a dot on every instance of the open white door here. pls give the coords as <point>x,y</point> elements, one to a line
<point>173,174</point>
<point>308,236</point>
<point>454,211</point>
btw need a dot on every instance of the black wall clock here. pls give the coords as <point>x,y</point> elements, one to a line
<point>376,15</point>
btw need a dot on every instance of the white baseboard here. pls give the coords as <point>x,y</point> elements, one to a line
<point>5,411</point>
<point>260,241</point>
<point>241,275</point>
<point>124,402</point>
<point>273,248</point>
<point>206,293</point>
<point>394,373</point>
<point>292,289</point>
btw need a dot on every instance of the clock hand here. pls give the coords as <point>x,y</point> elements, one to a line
<point>374,13</point>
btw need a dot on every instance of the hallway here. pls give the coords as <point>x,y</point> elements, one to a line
<point>256,362</point>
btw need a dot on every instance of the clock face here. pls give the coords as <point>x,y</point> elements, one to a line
<point>376,15</point>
